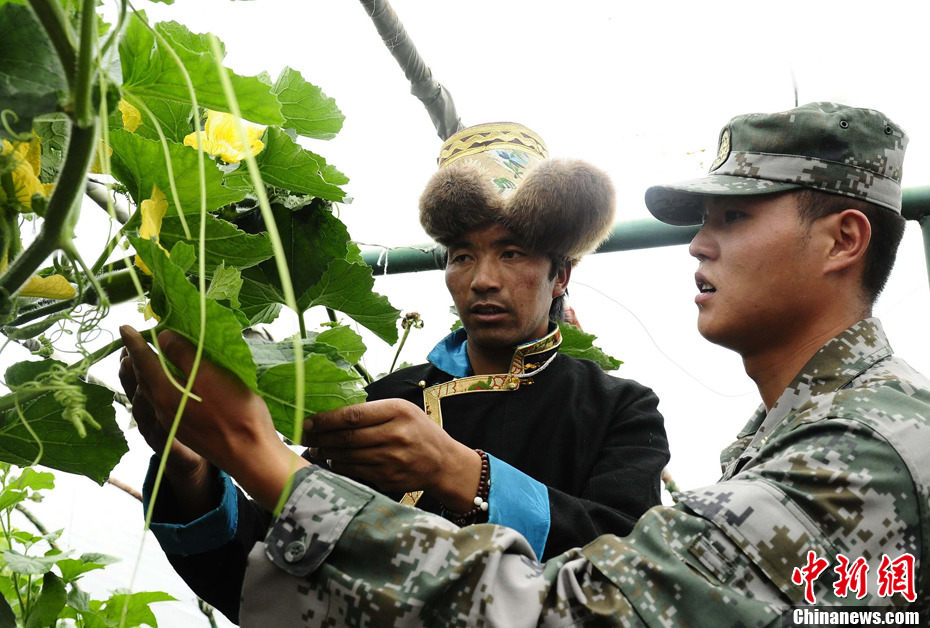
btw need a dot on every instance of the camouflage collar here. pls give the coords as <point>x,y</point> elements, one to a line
<point>833,368</point>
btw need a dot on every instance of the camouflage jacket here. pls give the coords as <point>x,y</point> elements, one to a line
<point>838,467</point>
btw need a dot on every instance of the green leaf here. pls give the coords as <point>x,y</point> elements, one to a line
<point>305,107</point>
<point>223,241</point>
<point>316,245</point>
<point>345,341</point>
<point>347,287</point>
<point>183,256</point>
<point>225,285</point>
<point>311,236</point>
<point>149,70</point>
<point>193,42</point>
<point>284,164</point>
<point>178,306</point>
<point>49,604</point>
<point>259,302</point>
<point>139,163</point>
<point>30,74</point>
<point>326,387</point>
<point>578,344</point>
<point>93,456</point>
<point>138,611</point>
<point>340,345</point>
<point>32,479</point>
<point>30,565</point>
<point>78,600</point>
<point>73,568</point>
<point>18,489</point>
<point>173,117</point>
<point>53,131</point>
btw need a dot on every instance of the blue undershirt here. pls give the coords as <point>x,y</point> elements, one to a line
<point>515,499</point>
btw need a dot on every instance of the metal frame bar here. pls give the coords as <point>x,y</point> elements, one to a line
<point>625,236</point>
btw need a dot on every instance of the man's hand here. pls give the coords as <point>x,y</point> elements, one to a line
<point>191,477</point>
<point>393,444</point>
<point>230,426</point>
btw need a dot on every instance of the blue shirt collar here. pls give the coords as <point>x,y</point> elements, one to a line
<point>450,354</point>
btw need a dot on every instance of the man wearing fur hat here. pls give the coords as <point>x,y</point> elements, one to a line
<point>498,426</point>
<point>824,498</point>
<point>568,450</point>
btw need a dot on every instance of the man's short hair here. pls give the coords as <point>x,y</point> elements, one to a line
<point>887,231</point>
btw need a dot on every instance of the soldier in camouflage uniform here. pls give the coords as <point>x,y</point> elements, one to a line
<point>832,467</point>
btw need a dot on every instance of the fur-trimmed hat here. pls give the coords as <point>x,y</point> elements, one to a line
<point>502,173</point>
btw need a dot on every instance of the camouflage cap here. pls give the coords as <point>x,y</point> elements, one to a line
<point>825,146</point>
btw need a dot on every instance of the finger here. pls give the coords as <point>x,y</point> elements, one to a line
<point>143,360</point>
<point>177,350</point>
<point>151,430</point>
<point>354,416</point>
<point>150,378</point>
<point>364,473</point>
<point>362,457</point>
<point>127,376</point>
<point>210,376</point>
<point>359,438</point>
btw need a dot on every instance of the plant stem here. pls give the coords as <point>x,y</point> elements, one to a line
<point>119,286</point>
<point>45,308</point>
<point>105,254</point>
<point>403,339</point>
<point>302,325</point>
<point>363,372</point>
<point>97,355</point>
<point>59,208</point>
<point>36,524</point>
<point>83,82</point>
<point>120,21</point>
<point>55,23</point>
<point>358,367</point>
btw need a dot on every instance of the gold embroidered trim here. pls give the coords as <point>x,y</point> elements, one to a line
<point>485,383</point>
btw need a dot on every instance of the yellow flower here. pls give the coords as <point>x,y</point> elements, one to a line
<point>27,159</point>
<point>131,116</point>
<point>97,165</point>
<point>153,210</point>
<point>222,137</point>
<point>52,287</point>
<point>148,313</point>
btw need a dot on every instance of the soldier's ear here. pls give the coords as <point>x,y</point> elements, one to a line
<point>849,233</point>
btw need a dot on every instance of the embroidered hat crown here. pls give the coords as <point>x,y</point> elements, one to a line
<point>502,173</point>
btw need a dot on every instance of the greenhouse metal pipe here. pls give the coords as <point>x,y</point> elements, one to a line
<point>435,97</point>
<point>916,206</point>
<point>625,236</point>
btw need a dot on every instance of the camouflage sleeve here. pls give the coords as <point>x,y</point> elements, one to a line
<point>829,486</point>
<point>341,554</point>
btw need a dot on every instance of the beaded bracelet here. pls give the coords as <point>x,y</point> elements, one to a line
<point>481,499</point>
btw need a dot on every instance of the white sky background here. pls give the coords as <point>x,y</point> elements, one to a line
<point>641,91</point>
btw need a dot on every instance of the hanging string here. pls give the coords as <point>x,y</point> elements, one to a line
<point>659,349</point>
